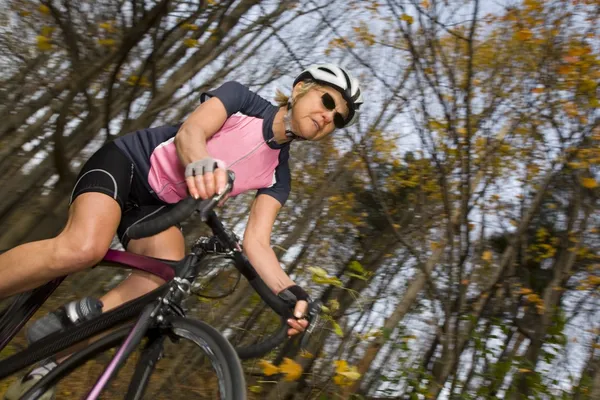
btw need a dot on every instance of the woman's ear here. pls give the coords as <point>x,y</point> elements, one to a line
<point>296,89</point>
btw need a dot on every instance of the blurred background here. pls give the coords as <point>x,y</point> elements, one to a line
<point>452,234</point>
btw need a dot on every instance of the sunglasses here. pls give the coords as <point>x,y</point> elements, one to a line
<point>329,103</point>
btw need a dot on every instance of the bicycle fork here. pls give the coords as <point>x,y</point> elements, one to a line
<point>134,338</point>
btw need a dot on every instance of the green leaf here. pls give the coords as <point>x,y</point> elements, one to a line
<point>337,329</point>
<point>361,277</point>
<point>327,281</point>
<point>356,267</point>
<point>318,272</point>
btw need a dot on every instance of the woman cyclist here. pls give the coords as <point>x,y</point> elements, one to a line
<point>142,174</point>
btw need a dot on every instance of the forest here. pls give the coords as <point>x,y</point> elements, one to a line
<point>452,233</point>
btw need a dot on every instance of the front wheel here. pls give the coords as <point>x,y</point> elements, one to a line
<point>216,358</point>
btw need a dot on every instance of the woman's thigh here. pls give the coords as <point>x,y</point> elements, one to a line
<point>168,245</point>
<point>96,204</point>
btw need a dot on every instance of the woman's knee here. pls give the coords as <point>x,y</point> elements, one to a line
<point>74,253</point>
<point>93,221</point>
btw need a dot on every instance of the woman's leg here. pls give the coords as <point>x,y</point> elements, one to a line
<point>168,245</point>
<point>90,228</point>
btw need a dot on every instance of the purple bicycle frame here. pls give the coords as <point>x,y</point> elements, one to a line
<point>141,263</point>
<point>117,258</point>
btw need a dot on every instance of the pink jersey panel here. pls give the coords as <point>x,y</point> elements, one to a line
<point>239,143</point>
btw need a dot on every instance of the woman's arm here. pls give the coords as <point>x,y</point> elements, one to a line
<point>257,246</point>
<point>190,142</point>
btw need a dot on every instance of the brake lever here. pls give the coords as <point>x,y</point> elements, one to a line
<point>204,207</point>
<point>313,316</point>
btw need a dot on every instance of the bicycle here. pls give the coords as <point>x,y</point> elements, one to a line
<point>159,314</point>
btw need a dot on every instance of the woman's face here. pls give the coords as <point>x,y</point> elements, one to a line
<point>311,119</point>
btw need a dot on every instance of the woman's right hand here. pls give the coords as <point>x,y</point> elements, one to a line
<point>206,177</point>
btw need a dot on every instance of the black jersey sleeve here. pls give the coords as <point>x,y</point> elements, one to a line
<point>281,188</point>
<point>236,97</point>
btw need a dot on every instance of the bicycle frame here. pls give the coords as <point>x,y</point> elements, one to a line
<point>153,310</point>
<point>154,314</point>
<point>179,287</point>
<point>25,305</point>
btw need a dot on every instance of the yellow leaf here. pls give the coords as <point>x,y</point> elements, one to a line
<point>306,354</point>
<point>577,165</point>
<point>564,69</point>
<point>487,256</point>
<point>524,370</point>
<point>189,42</point>
<point>524,34</point>
<point>589,183</point>
<point>134,80</point>
<point>291,369</point>
<point>24,13</point>
<point>189,27</point>
<point>525,291</point>
<point>341,380</point>
<point>268,368</point>
<point>352,375</point>
<point>340,366</point>
<point>405,17</point>
<point>107,26</point>
<point>571,109</point>
<point>571,59</point>
<point>593,280</point>
<point>435,245</point>
<point>47,30</point>
<point>425,4</point>
<point>533,298</point>
<point>255,389</point>
<point>44,9</point>
<point>106,42</point>
<point>345,374</point>
<point>44,43</point>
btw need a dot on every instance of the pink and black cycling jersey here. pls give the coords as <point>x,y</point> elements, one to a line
<point>245,143</point>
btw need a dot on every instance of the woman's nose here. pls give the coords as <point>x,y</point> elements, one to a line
<point>329,115</point>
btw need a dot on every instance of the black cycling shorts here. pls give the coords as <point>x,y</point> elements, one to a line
<point>110,172</point>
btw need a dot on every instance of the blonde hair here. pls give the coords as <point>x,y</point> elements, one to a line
<point>283,99</point>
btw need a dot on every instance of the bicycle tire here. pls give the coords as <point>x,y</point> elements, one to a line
<point>79,358</point>
<point>222,355</point>
<point>216,347</point>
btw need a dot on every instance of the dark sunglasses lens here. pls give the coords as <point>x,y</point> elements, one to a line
<point>328,101</point>
<point>338,120</point>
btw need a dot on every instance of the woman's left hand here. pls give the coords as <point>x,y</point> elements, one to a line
<point>298,324</point>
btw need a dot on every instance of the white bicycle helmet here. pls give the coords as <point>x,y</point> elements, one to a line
<point>339,79</point>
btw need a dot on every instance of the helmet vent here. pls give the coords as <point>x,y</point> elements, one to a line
<point>327,70</point>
